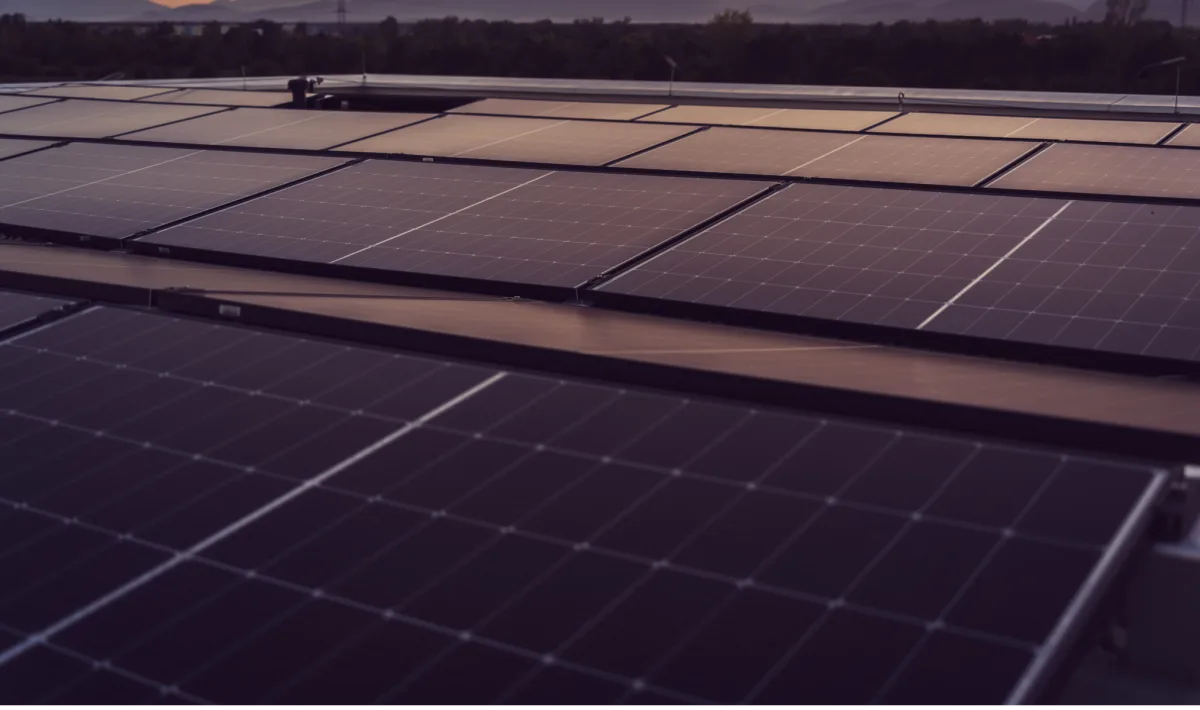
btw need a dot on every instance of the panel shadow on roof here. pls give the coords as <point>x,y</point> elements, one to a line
<point>101,91</point>
<point>634,535</point>
<point>1109,170</point>
<point>215,97</point>
<point>523,226</point>
<point>863,255</point>
<point>1058,129</point>
<point>560,109</point>
<point>530,140</point>
<point>922,161</point>
<point>273,128</point>
<point>741,151</point>
<point>94,119</point>
<point>1117,277</point>
<point>814,119</point>
<point>116,191</point>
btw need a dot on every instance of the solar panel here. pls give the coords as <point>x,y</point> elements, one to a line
<point>1109,170</point>
<point>741,151</point>
<point>99,91</point>
<point>15,103</point>
<point>819,119</point>
<point>878,256</point>
<point>217,97</point>
<point>208,513</point>
<point>560,109</point>
<point>1189,137</point>
<point>925,161</point>
<point>524,226</point>
<point>17,146</point>
<point>273,128</point>
<point>17,309</point>
<point>1117,277</point>
<point>529,140</point>
<point>1058,129</point>
<point>94,119</point>
<point>116,191</point>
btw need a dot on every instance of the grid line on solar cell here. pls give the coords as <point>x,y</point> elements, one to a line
<point>559,109</point>
<point>76,118</point>
<point>269,128</point>
<point>812,119</point>
<point>522,226</point>
<point>878,256</point>
<point>1105,276</point>
<point>1109,170</point>
<point>117,191</point>
<point>531,140</point>
<point>1057,129</point>
<point>19,308</point>
<point>483,528</point>
<point>928,161</point>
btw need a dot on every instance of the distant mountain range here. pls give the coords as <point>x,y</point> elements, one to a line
<point>812,11</point>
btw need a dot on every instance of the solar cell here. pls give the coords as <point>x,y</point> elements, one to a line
<point>879,256</point>
<point>1109,170</point>
<point>926,161</point>
<point>741,151</point>
<point>100,91</point>
<point>819,119</point>
<point>222,515</point>
<point>19,308</point>
<point>271,128</point>
<point>94,119</point>
<point>116,191</point>
<point>523,226</point>
<point>217,97</point>
<point>1058,129</point>
<point>560,109</point>
<point>1103,276</point>
<point>530,140</point>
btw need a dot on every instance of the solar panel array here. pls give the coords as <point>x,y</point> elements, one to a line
<point>94,119</point>
<point>116,191</point>
<point>101,91</point>
<point>741,151</point>
<point>16,103</point>
<point>1118,277</point>
<point>529,140</point>
<point>1057,129</point>
<point>10,147</point>
<point>217,97</point>
<point>1188,137</point>
<point>207,513</point>
<point>932,161</point>
<point>526,226</point>
<point>1109,170</point>
<point>885,257</point>
<point>17,309</point>
<point>266,128</point>
<point>816,119</point>
<point>560,109</point>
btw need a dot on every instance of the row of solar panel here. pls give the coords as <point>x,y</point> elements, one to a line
<point>204,513</point>
<point>1091,169</point>
<point>1116,277</point>
<point>942,124</point>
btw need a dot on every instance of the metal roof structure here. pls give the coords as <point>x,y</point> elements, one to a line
<point>584,392</point>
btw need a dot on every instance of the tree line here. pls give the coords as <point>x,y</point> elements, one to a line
<point>1080,57</point>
